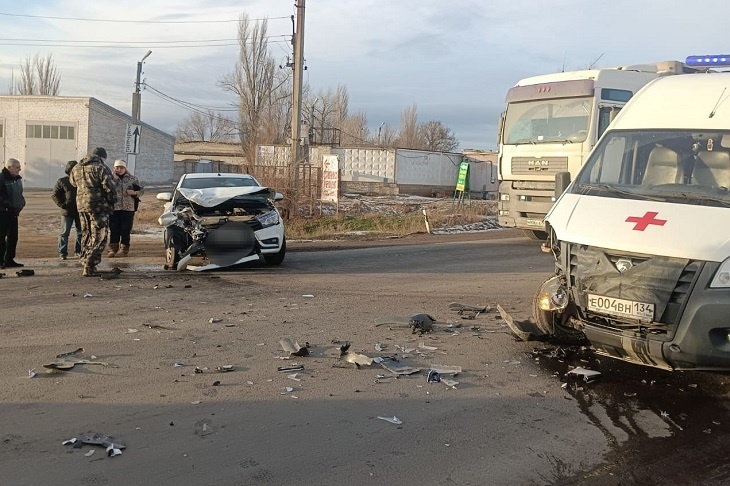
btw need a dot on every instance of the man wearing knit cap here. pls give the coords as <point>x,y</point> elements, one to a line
<point>95,198</point>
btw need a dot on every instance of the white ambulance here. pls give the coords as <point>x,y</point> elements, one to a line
<point>641,237</point>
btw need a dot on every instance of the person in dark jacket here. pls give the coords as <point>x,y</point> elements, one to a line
<point>12,202</point>
<point>95,198</point>
<point>64,195</point>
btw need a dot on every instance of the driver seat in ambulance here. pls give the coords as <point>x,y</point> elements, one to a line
<point>663,167</point>
<point>712,169</point>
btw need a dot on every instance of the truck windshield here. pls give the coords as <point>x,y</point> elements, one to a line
<point>690,167</point>
<point>545,121</point>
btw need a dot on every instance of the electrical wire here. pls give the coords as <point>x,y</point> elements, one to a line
<point>49,17</point>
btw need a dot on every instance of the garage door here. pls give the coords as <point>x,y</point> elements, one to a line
<point>48,146</point>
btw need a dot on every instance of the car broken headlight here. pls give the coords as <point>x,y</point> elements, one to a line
<point>167,219</point>
<point>268,219</point>
<point>722,276</point>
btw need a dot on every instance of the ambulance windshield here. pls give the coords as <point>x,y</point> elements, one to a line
<point>691,167</point>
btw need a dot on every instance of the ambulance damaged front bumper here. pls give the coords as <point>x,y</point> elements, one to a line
<point>663,312</point>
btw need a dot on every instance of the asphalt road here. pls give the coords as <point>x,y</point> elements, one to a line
<point>515,417</point>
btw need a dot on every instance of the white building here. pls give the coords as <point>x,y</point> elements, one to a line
<point>45,132</point>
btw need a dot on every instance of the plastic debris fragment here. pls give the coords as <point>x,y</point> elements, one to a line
<point>446,369</point>
<point>393,420</point>
<point>588,375</point>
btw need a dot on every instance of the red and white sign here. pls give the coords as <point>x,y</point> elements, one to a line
<point>330,178</point>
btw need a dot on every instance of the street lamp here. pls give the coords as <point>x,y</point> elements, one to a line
<point>136,96</point>
<point>380,129</point>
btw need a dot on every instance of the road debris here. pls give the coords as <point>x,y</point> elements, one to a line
<point>450,383</point>
<point>589,376</point>
<point>433,377</point>
<point>421,323</point>
<point>113,447</point>
<point>214,320</point>
<point>32,373</point>
<point>523,330</point>
<point>393,420</point>
<point>25,273</point>
<point>287,369</point>
<point>294,348</point>
<point>224,368</point>
<point>397,368</point>
<point>66,361</point>
<point>446,369</point>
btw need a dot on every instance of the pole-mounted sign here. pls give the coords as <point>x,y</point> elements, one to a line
<point>131,143</point>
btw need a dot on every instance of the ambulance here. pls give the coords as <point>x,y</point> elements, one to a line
<point>641,236</point>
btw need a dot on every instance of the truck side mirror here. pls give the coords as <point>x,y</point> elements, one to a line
<point>562,180</point>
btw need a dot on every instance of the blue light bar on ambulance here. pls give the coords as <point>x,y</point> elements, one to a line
<point>711,60</point>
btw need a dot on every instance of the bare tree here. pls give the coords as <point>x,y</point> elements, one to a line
<point>354,130</point>
<point>252,81</point>
<point>38,76</point>
<point>436,137</point>
<point>408,135</point>
<point>207,127</point>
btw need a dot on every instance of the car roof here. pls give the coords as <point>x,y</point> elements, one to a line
<point>206,175</point>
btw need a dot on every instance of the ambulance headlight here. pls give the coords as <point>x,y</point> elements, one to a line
<point>722,276</point>
<point>553,295</point>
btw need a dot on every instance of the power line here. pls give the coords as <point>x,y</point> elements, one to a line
<point>188,103</point>
<point>124,45</point>
<point>131,21</point>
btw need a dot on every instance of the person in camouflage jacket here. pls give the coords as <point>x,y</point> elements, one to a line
<point>95,199</point>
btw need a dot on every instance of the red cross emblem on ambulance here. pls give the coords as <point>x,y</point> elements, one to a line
<point>642,222</point>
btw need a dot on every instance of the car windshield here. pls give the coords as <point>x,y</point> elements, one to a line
<point>545,121</point>
<point>682,166</point>
<point>217,181</point>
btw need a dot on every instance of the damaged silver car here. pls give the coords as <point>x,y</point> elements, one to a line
<point>216,220</point>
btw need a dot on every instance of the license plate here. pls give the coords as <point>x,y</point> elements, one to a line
<point>535,222</point>
<point>621,307</point>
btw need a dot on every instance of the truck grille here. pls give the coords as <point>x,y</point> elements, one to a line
<point>663,325</point>
<point>538,165</point>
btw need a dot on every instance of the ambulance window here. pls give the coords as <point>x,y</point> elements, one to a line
<point>607,166</point>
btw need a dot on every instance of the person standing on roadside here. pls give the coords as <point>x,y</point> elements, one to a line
<point>127,190</point>
<point>95,198</point>
<point>12,202</point>
<point>64,195</point>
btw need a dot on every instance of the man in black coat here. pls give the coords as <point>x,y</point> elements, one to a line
<point>64,195</point>
<point>12,202</point>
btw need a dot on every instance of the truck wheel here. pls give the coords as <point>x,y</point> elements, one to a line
<point>551,324</point>
<point>536,235</point>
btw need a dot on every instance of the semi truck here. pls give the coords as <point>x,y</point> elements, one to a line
<point>550,124</point>
<point>641,236</point>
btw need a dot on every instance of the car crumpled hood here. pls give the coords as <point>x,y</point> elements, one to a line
<point>213,196</point>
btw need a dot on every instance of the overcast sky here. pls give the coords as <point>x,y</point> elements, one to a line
<point>453,59</point>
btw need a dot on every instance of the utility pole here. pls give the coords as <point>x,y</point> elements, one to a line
<point>297,72</point>
<point>136,109</point>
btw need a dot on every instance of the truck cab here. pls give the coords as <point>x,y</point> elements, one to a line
<point>550,124</point>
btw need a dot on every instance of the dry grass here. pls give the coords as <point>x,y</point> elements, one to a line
<point>365,216</point>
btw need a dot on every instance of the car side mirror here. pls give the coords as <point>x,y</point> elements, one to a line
<point>279,197</point>
<point>165,196</point>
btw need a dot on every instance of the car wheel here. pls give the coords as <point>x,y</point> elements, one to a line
<point>551,324</point>
<point>172,252</point>
<point>276,258</point>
